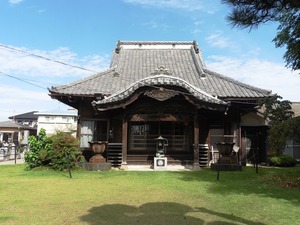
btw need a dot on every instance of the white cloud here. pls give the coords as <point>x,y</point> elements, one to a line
<point>16,69</point>
<point>188,5</point>
<point>196,31</point>
<point>218,40</point>
<point>17,100</point>
<point>259,73</point>
<point>156,25</point>
<point>16,63</point>
<point>17,95</point>
<point>40,11</point>
<point>15,1</point>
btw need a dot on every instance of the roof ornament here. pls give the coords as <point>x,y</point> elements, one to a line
<point>196,47</point>
<point>118,48</point>
<point>116,74</point>
<point>161,71</point>
<point>203,76</point>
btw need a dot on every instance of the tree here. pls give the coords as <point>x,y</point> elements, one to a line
<point>251,14</point>
<point>280,132</point>
<point>276,109</point>
<point>283,125</point>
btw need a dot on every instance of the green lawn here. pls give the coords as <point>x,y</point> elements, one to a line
<point>125,197</point>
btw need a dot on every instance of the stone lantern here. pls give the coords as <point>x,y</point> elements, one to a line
<point>160,161</point>
<point>161,144</point>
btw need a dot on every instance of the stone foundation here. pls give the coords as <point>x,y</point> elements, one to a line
<point>97,159</point>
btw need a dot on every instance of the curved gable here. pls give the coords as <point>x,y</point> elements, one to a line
<point>157,82</point>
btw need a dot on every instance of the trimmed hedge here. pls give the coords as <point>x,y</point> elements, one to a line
<point>283,161</point>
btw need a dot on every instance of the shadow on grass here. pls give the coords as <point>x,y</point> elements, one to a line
<point>246,182</point>
<point>159,213</point>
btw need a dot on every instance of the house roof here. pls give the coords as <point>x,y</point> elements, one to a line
<point>12,124</point>
<point>25,116</point>
<point>134,61</point>
<point>58,112</point>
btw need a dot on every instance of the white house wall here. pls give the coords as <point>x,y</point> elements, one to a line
<point>293,148</point>
<point>54,123</point>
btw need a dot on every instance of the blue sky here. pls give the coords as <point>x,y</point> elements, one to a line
<point>84,33</point>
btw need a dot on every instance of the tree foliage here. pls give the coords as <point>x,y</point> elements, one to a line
<point>59,151</point>
<point>276,109</point>
<point>280,132</point>
<point>65,151</point>
<point>40,147</point>
<point>251,14</point>
<point>283,124</point>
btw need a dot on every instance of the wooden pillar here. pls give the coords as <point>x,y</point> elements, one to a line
<point>196,164</point>
<point>78,129</point>
<point>240,143</point>
<point>124,142</point>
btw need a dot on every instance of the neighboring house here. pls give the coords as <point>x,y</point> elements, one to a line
<point>12,132</point>
<point>293,145</point>
<point>18,128</point>
<point>57,121</point>
<point>157,89</point>
<point>27,119</point>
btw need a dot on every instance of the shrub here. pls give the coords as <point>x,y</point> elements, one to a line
<point>65,152</point>
<point>283,161</point>
<point>32,160</point>
<point>39,148</point>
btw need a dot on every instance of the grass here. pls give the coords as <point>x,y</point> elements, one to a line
<point>161,197</point>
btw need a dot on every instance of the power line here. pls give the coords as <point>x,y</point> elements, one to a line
<point>45,58</point>
<point>22,80</point>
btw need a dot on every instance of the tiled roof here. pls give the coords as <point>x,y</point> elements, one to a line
<point>161,80</point>
<point>58,112</point>
<point>12,124</point>
<point>25,116</point>
<point>134,61</point>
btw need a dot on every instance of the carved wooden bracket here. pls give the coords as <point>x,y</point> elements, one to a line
<point>161,94</point>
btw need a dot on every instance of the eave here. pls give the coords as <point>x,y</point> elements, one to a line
<point>159,82</point>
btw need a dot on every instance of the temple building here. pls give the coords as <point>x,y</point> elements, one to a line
<point>160,88</point>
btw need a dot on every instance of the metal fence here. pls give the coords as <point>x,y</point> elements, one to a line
<point>10,151</point>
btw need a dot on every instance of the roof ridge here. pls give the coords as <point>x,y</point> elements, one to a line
<point>199,65</point>
<point>147,45</point>
<point>155,42</point>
